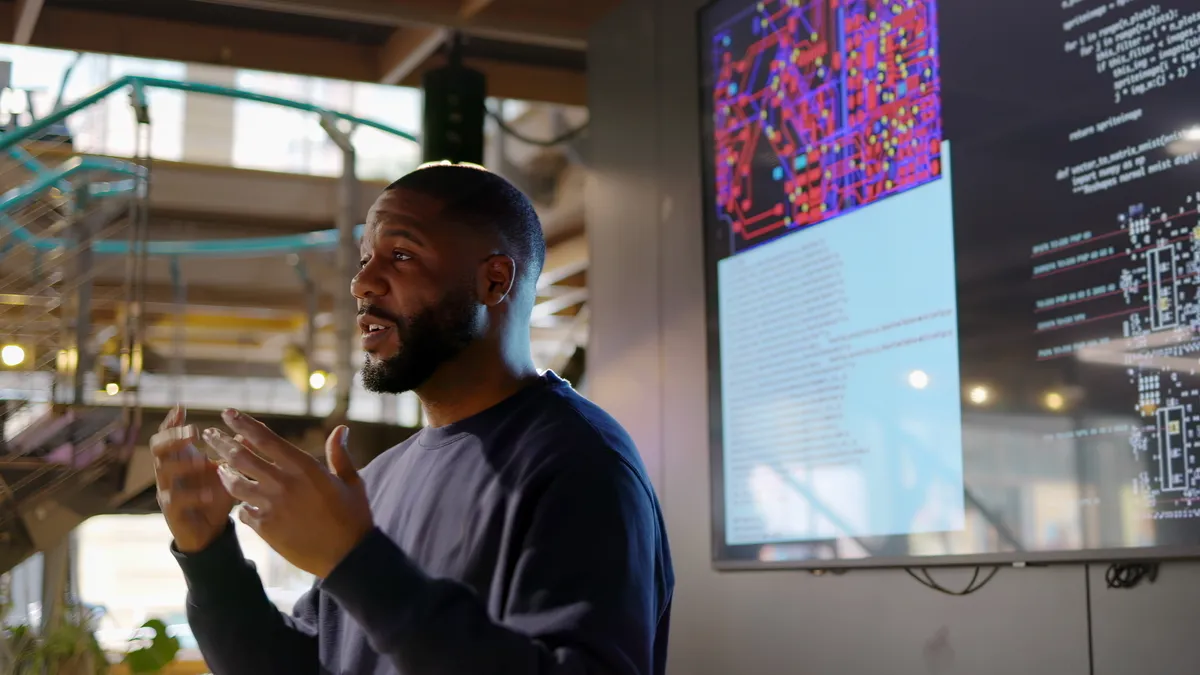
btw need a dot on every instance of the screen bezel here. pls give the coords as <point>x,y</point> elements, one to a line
<point>713,239</point>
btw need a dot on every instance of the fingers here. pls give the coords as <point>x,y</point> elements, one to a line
<point>253,466</point>
<point>175,454</point>
<point>183,476</point>
<point>339,457</point>
<point>188,491</point>
<point>251,516</point>
<point>173,444</point>
<point>245,460</point>
<point>267,443</point>
<point>242,488</point>
<point>175,418</point>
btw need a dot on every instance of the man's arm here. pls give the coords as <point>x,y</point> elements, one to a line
<point>239,630</point>
<point>584,596</point>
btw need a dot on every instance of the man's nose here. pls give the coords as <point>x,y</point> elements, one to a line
<point>367,283</point>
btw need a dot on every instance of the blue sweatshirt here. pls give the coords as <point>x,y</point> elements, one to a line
<point>525,539</point>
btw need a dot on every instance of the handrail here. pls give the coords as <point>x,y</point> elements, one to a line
<point>139,84</point>
<point>45,178</point>
<point>243,247</point>
<point>22,157</point>
<point>50,178</point>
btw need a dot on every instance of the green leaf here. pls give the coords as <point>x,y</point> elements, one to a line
<point>155,656</point>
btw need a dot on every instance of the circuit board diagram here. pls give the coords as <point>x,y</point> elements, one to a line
<point>821,107</point>
<point>1160,284</point>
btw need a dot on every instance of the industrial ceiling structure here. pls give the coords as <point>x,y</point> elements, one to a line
<point>236,315</point>
<point>240,316</point>
<point>528,49</point>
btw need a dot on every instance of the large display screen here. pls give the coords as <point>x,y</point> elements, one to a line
<point>953,282</point>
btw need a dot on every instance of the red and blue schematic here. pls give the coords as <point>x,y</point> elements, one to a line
<point>821,107</point>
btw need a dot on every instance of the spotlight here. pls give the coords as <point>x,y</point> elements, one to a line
<point>317,380</point>
<point>1054,400</point>
<point>12,355</point>
<point>112,388</point>
<point>918,379</point>
<point>979,395</point>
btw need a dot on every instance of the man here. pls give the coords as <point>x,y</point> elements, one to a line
<point>516,534</point>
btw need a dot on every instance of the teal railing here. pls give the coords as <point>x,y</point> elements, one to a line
<point>45,178</point>
<point>138,86</point>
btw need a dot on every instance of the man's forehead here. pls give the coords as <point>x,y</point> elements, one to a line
<point>411,215</point>
<point>406,204</point>
<point>392,211</point>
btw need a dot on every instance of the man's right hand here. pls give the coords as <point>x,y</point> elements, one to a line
<point>192,498</point>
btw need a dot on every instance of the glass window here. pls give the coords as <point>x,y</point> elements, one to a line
<point>383,156</point>
<point>130,572</point>
<point>166,109</point>
<point>280,139</point>
<point>275,138</point>
<point>265,137</point>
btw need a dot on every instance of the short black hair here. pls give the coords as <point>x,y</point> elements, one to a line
<point>478,197</point>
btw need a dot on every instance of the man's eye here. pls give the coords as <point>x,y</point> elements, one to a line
<point>400,256</point>
<point>363,263</point>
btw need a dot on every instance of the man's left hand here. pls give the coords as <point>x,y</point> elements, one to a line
<point>310,515</point>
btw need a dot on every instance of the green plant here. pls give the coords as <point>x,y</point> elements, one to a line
<point>156,652</point>
<point>68,648</point>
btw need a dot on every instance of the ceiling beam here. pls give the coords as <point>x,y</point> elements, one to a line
<point>562,29</point>
<point>563,260</point>
<point>410,46</point>
<point>216,368</point>
<point>518,81</point>
<point>110,33</point>
<point>25,17</point>
<point>558,303</point>
<point>407,49</point>
<point>470,8</point>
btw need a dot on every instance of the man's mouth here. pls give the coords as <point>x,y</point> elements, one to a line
<point>375,328</point>
<point>370,326</point>
<point>372,321</point>
<point>375,336</point>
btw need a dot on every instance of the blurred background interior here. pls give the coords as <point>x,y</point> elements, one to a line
<point>182,181</point>
<point>172,233</point>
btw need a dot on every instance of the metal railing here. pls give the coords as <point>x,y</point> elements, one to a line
<point>74,246</point>
<point>27,145</point>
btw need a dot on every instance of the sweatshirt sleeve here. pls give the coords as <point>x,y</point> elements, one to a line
<point>583,595</point>
<point>239,630</point>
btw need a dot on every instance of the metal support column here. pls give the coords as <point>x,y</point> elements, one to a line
<point>56,567</point>
<point>310,328</point>
<point>344,307</point>
<point>179,317</point>
<point>81,239</point>
<point>310,343</point>
<point>133,345</point>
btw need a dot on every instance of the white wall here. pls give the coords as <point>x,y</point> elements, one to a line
<point>646,364</point>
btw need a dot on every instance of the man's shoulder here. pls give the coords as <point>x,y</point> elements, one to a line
<point>552,430</point>
<point>567,432</point>
<point>564,415</point>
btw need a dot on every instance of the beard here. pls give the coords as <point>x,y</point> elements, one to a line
<point>426,341</point>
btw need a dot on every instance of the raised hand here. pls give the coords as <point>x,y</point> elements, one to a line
<point>311,515</point>
<point>190,493</point>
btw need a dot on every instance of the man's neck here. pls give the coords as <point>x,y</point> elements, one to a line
<point>468,386</point>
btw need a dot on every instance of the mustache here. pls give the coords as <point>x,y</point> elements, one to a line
<point>376,312</point>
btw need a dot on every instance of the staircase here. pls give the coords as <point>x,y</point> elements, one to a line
<point>74,247</point>
<point>70,343</point>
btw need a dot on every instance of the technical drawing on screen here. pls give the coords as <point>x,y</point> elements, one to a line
<point>954,314</point>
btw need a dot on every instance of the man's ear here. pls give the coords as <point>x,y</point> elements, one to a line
<point>497,279</point>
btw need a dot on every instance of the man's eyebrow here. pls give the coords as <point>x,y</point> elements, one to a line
<point>392,225</point>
